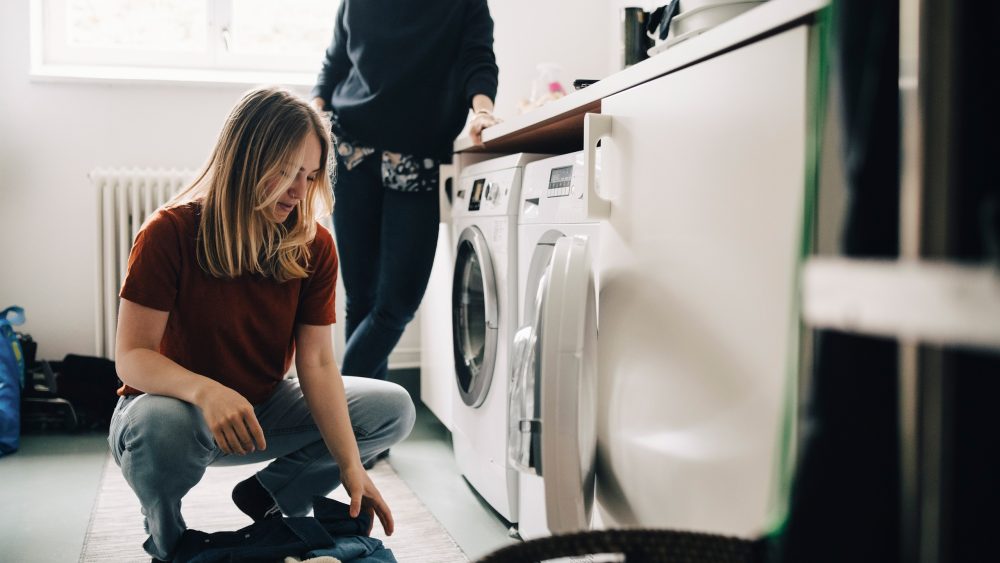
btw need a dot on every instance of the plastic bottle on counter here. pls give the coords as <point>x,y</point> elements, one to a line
<point>546,86</point>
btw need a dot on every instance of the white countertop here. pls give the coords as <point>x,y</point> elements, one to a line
<point>759,21</point>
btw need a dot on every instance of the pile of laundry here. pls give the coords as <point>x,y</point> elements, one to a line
<point>329,536</point>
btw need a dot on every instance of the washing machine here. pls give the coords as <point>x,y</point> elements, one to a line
<point>553,410</point>
<point>484,315</point>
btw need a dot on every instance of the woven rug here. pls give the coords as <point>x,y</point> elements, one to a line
<point>115,532</point>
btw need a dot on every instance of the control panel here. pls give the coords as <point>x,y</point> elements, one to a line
<point>560,181</point>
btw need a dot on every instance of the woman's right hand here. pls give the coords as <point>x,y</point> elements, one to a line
<point>481,120</point>
<point>231,419</point>
<point>365,496</point>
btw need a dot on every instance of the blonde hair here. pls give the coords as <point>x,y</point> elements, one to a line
<point>262,139</point>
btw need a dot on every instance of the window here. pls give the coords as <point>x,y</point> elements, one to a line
<point>209,38</point>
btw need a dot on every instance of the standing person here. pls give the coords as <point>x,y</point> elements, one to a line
<point>400,78</point>
<point>225,285</point>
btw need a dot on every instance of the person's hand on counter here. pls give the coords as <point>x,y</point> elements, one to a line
<point>482,107</point>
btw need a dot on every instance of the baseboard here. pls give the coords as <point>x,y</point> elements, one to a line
<point>404,358</point>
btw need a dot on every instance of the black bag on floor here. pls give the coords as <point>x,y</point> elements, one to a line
<point>90,384</point>
<point>41,407</point>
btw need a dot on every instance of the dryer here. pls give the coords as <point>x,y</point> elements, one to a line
<point>553,410</point>
<point>484,314</point>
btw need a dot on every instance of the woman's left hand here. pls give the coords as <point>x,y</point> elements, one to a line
<point>481,121</point>
<point>365,496</point>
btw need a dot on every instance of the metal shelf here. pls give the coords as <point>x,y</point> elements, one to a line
<point>930,302</point>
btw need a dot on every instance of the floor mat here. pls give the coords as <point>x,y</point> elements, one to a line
<point>115,532</point>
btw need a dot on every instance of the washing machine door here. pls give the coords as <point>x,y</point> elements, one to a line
<point>474,317</point>
<point>524,438</point>
<point>555,383</point>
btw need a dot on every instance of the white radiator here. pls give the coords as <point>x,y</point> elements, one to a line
<point>125,198</point>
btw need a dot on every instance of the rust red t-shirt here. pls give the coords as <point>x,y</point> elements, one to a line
<point>239,332</point>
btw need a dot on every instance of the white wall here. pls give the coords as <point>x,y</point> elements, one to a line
<point>571,33</point>
<point>53,133</point>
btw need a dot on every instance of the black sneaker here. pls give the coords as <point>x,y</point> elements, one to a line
<point>253,500</point>
<point>371,462</point>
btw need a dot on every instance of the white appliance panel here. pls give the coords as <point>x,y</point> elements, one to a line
<point>437,366</point>
<point>697,286</point>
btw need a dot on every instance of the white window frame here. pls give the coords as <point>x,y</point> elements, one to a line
<point>52,58</point>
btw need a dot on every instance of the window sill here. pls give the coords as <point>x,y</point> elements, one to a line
<point>186,76</point>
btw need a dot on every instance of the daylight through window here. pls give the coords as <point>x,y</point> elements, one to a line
<point>223,35</point>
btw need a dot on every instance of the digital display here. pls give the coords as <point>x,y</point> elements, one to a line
<point>563,174</point>
<point>560,180</point>
<point>477,194</point>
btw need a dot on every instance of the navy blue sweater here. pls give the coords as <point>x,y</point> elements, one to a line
<point>401,74</point>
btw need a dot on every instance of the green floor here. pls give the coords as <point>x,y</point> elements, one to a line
<point>47,490</point>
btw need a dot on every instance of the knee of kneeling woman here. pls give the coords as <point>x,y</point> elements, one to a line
<point>399,403</point>
<point>166,424</point>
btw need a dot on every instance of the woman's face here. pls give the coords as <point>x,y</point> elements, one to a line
<point>304,175</point>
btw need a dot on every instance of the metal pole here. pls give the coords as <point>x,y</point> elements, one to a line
<point>926,74</point>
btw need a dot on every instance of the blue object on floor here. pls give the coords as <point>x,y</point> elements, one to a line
<point>11,380</point>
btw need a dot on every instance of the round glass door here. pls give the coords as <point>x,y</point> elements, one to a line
<point>474,317</point>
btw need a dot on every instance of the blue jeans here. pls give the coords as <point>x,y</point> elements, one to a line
<point>164,446</point>
<point>386,240</point>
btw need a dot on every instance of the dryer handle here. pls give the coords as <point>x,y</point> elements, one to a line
<point>595,128</point>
